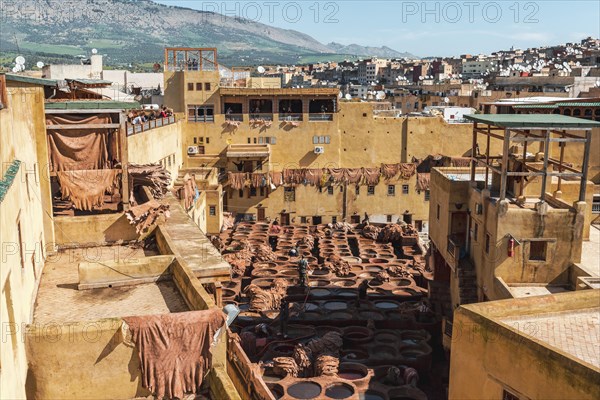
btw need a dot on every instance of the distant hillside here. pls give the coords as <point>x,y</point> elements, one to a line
<point>367,51</point>
<point>136,31</point>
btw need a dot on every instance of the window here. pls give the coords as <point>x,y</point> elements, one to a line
<point>303,220</point>
<point>212,210</point>
<point>357,190</point>
<point>391,190</point>
<point>315,140</point>
<point>427,194</point>
<point>487,243</point>
<point>200,139</point>
<point>506,395</point>
<point>259,165</point>
<point>438,212</point>
<point>252,191</point>
<point>195,140</point>
<point>537,250</point>
<point>371,190</point>
<point>333,220</point>
<point>241,192</point>
<point>207,140</point>
<point>190,86</point>
<point>404,189</point>
<point>289,194</point>
<point>475,231</point>
<point>199,86</point>
<point>329,189</point>
<point>388,218</point>
<point>207,86</point>
<point>262,191</point>
<point>204,113</point>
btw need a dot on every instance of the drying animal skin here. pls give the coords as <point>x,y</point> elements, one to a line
<point>265,300</point>
<point>371,232</point>
<point>239,261</point>
<point>330,343</point>
<point>308,240</point>
<point>326,365</point>
<point>264,253</point>
<point>285,366</point>
<point>337,265</point>
<point>146,215</point>
<point>303,356</point>
<point>382,276</point>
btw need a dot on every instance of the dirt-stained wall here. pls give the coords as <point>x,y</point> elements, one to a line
<point>25,222</point>
<point>489,356</point>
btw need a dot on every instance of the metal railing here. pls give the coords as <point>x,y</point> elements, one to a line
<point>262,116</point>
<point>320,117</point>
<point>133,129</point>
<point>201,118</point>
<point>595,208</point>
<point>234,117</point>
<point>290,117</point>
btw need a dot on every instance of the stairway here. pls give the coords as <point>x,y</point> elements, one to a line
<point>467,282</point>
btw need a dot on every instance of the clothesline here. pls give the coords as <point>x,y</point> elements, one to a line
<point>321,177</point>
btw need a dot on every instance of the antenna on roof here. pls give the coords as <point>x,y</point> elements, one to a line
<point>40,64</point>
<point>94,51</point>
<point>20,60</point>
<point>349,96</point>
<point>261,69</point>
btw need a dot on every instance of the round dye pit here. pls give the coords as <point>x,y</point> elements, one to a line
<point>352,371</point>
<point>304,390</point>
<point>339,391</point>
<point>320,292</point>
<point>386,305</point>
<point>340,315</point>
<point>276,391</point>
<point>372,395</point>
<point>335,305</point>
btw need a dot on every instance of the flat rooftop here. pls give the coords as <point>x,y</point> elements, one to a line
<point>576,332</point>
<point>58,299</point>
<point>566,323</point>
<point>533,121</point>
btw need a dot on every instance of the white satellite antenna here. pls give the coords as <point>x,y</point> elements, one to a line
<point>94,51</point>
<point>348,96</point>
<point>20,60</point>
<point>15,69</point>
<point>40,64</point>
<point>261,69</point>
<point>420,78</point>
<point>446,100</point>
<point>340,95</point>
<point>380,95</point>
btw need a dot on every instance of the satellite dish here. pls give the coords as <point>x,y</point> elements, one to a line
<point>40,64</point>
<point>94,51</point>
<point>420,78</point>
<point>380,95</point>
<point>261,69</point>
<point>15,69</point>
<point>348,96</point>
<point>446,100</point>
<point>20,60</point>
<point>340,95</point>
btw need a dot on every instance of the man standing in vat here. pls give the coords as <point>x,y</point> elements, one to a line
<point>302,272</point>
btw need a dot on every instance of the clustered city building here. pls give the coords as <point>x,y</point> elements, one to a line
<point>381,229</point>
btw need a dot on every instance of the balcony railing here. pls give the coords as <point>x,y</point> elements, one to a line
<point>234,117</point>
<point>201,118</point>
<point>132,129</point>
<point>320,117</point>
<point>595,208</point>
<point>261,116</point>
<point>456,248</point>
<point>290,117</point>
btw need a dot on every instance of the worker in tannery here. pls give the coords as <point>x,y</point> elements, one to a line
<point>302,272</point>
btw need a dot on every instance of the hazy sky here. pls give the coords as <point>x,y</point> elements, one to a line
<point>441,28</point>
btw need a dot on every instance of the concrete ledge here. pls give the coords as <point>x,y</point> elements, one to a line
<point>121,273</point>
<point>93,230</point>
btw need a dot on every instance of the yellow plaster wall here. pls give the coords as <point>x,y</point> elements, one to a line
<point>93,229</point>
<point>157,144</point>
<point>487,356</point>
<point>28,201</point>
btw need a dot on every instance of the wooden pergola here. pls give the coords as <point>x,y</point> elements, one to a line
<point>191,59</point>
<point>526,129</point>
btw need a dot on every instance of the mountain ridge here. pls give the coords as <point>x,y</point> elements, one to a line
<point>138,30</point>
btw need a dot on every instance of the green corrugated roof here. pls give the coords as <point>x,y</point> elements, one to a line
<point>532,121</point>
<point>535,106</point>
<point>92,105</point>
<point>9,177</point>
<point>29,79</point>
<point>576,104</point>
<point>91,81</point>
